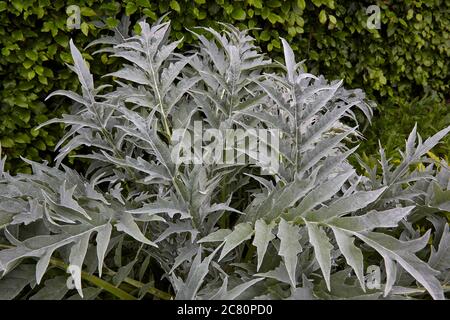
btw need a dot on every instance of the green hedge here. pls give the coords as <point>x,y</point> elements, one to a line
<point>404,66</point>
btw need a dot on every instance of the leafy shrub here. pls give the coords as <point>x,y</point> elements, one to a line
<point>138,222</point>
<point>408,60</point>
<point>34,41</point>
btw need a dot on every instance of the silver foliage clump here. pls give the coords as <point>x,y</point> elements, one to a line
<point>197,231</point>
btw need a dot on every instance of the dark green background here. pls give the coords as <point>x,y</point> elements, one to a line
<point>404,66</point>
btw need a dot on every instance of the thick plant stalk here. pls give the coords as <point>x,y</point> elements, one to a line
<point>117,292</point>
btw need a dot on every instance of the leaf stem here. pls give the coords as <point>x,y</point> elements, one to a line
<point>119,293</point>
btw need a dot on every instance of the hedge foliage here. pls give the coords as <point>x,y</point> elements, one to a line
<point>404,66</point>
